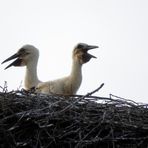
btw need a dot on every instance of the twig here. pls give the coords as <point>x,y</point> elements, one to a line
<point>87,95</point>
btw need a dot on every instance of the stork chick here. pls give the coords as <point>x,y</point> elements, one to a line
<point>69,85</point>
<point>26,56</point>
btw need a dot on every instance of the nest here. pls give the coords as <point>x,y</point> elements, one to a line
<point>31,120</point>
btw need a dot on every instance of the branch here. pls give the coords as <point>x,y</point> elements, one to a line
<point>89,94</point>
<point>83,97</point>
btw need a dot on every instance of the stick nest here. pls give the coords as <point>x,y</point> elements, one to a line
<point>31,120</point>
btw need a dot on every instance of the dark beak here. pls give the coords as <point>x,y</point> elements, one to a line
<point>89,47</point>
<point>17,62</point>
<point>91,56</point>
<point>16,55</point>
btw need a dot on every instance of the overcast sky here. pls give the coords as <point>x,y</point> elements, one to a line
<point>118,27</point>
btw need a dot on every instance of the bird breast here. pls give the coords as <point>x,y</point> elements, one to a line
<point>62,86</point>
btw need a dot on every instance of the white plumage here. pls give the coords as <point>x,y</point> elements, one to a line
<point>27,56</point>
<point>69,85</point>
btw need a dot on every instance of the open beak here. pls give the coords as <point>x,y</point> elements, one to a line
<point>91,56</point>
<point>16,55</point>
<point>89,47</point>
<point>87,56</point>
<point>17,62</point>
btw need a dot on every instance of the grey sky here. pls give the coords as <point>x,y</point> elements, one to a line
<point>118,27</point>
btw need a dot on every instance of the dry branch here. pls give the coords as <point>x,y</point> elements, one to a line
<point>32,120</point>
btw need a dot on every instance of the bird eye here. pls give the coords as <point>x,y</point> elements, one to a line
<point>22,50</point>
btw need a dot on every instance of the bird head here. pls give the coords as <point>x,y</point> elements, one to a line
<point>23,56</point>
<point>80,52</point>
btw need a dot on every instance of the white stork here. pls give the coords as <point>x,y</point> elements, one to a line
<point>26,56</point>
<point>69,85</point>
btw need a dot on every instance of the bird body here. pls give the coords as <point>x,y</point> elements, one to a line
<point>69,85</point>
<point>26,56</point>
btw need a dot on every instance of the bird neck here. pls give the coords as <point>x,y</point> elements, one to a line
<point>76,75</point>
<point>31,78</point>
